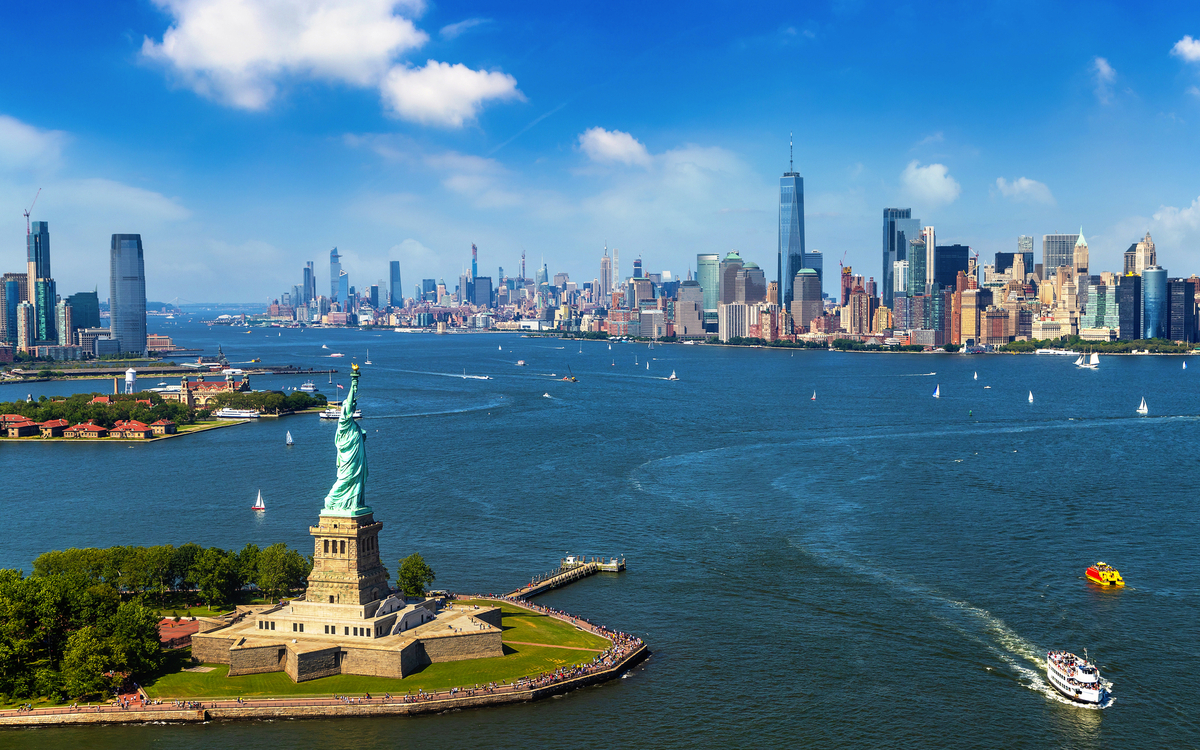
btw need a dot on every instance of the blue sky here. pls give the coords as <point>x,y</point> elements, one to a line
<point>244,137</point>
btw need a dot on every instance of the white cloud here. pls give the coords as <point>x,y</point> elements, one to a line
<point>444,94</point>
<point>235,51</point>
<point>455,30</point>
<point>23,145</point>
<point>1025,189</point>
<point>1188,49</point>
<point>1104,75</point>
<point>1179,221</point>
<point>929,139</point>
<point>613,146</point>
<point>1194,91</point>
<point>930,184</point>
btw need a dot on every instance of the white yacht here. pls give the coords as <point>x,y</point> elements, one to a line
<point>309,387</point>
<point>228,413</point>
<point>1077,679</point>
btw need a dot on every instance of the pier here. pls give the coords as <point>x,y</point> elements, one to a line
<point>570,569</point>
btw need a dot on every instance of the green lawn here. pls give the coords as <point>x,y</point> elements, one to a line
<point>518,661</point>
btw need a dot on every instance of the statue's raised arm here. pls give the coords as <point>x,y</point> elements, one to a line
<point>349,492</point>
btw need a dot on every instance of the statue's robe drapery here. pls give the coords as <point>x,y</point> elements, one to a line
<point>348,496</point>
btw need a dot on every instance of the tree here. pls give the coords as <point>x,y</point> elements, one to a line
<point>133,641</point>
<point>84,664</point>
<point>215,573</point>
<point>415,575</point>
<point>281,569</point>
<point>247,563</point>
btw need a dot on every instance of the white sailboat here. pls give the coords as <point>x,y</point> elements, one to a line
<point>290,442</point>
<point>1031,397</point>
<point>500,347</point>
<point>367,361</point>
<point>610,347</point>
<point>1142,409</point>
<point>635,360</point>
<point>1092,363</point>
<point>937,391</point>
<point>976,376</point>
<point>647,365</point>
<point>1185,365</point>
<point>1079,361</point>
<point>258,504</point>
<point>673,376</point>
<point>814,397</point>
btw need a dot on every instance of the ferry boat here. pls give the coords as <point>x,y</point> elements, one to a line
<point>335,412</point>
<point>1105,575</point>
<point>228,413</point>
<point>1077,679</point>
<point>309,387</point>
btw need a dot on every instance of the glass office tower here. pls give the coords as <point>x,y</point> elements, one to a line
<point>395,290</point>
<point>1058,250</point>
<point>899,228</point>
<point>791,233</point>
<point>708,273</point>
<point>335,268</point>
<point>1155,323</point>
<point>127,293</point>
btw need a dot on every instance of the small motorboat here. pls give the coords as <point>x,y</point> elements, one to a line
<point>520,363</point>
<point>1104,575</point>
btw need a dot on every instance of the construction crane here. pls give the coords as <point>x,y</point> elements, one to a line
<point>841,263</point>
<point>28,229</point>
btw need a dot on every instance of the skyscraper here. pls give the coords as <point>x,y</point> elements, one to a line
<point>1182,296</point>
<point>127,293</point>
<point>45,296</point>
<point>342,287</point>
<point>474,261</point>
<point>395,289</point>
<point>606,279</point>
<point>335,272</point>
<point>791,228</point>
<point>814,260</point>
<point>429,290</point>
<point>1144,255</point>
<point>729,268</point>
<point>1155,320</point>
<point>930,238</point>
<point>899,228</point>
<point>65,324</point>
<point>917,257</point>
<point>807,304</point>
<point>1080,256</point>
<point>12,294</point>
<point>1129,304</point>
<point>310,283</point>
<point>708,273</point>
<point>37,244</point>
<point>1057,250</point>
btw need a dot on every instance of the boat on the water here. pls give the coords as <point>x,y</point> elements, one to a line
<point>1031,397</point>
<point>335,412</point>
<point>290,442</point>
<point>1092,363</point>
<point>1077,679</point>
<point>228,413</point>
<point>673,376</point>
<point>1104,574</point>
<point>258,504</point>
<point>937,391</point>
<point>1142,408</point>
<point>309,387</point>
<point>520,363</point>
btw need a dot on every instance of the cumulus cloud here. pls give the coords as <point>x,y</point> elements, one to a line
<point>455,30</point>
<point>235,51</point>
<point>1188,49</point>
<point>23,146</point>
<point>239,52</point>
<point>1178,221</point>
<point>1103,75</point>
<point>611,146</point>
<point>931,184</point>
<point>444,94</point>
<point>1025,189</point>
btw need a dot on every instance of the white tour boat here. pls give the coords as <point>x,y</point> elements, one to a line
<point>228,413</point>
<point>309,387</point>
<point>335,412</point>
<point>1077,679</point>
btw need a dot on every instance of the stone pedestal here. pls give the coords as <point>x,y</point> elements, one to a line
<point>346,565</point>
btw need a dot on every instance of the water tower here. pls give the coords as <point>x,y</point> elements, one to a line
<point>131,381</point>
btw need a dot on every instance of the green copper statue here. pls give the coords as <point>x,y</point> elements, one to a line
<point>349,494</point>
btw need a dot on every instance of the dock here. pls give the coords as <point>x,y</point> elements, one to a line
<point>570,569</point>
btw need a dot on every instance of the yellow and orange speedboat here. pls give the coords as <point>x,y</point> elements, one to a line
<point>1104,575</point>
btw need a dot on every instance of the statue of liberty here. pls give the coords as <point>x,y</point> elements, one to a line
<point>348,497</point>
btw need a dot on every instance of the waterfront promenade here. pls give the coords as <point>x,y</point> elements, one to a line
<point>624,652</point>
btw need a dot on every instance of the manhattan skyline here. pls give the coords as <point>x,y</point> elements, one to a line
<point>410,132</point>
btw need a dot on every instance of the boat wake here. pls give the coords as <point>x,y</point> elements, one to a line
<point>917,375</point>
<point>458,375</point>
<point>464,410</point>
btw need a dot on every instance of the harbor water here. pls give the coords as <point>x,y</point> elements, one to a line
<point>873,568</point>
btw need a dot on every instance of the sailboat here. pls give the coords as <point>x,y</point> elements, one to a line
<point>367,361</point>
<point>1031,397</point>
<point>331,377</point>
<point>1093,362</point>
<point>673,376</point>
<point>635,360</point>
<point>290,442</point>
<point>1079,361</point>
<point>977,376</point>
<point>937,391</point>
<point>610,347</point>
<point>647,365</point>
<point>324,347</point>
<point>814,398</point>
<point>1185,365</point>
<point>1142,407</point>
<point>614,364</point>
<point>581,347</point>
<point>500,348</point>
<point>258,504</point>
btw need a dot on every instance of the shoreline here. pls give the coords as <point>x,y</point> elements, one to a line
<point>157,438</point>
<point>329,707</point>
